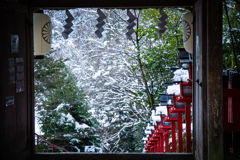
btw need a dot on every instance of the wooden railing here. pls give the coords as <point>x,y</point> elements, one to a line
<point>53,145</point>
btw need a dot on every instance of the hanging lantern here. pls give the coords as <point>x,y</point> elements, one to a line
<point>42,29</point>
<point>188,32</point>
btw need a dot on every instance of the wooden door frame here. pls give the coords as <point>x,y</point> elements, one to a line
<point>46,4</point>
<point>213,125</point>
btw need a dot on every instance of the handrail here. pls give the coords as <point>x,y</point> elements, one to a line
<point>53,145</point>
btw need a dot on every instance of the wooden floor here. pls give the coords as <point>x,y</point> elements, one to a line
<point>74,156</point>
<point>229,156</point>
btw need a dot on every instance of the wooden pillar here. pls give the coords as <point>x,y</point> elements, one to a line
<point>173,136</point>
<point>180,141</point>
<point>161,143</point>
<point>188,127</point>
<point>155,147</point>
<point>214,79</point>
<point>166,143</point>
<point>230,112</point>
<point>207,80</point>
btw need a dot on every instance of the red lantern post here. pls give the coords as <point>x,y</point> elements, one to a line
<point>178,108</point>
<point>166,126</point>
<point>166,135</point>
<point>172,118</point>
<point>158,133</point>
<point>186,96</point>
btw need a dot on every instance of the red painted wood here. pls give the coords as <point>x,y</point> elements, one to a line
<point>173,136</point>
<point>188,127</point>
<point>180,141</point>
<point>161,144</point>
<point>235,92</point>
<point>173,124</point>
<point>169,119</point>
<point>53,145</point>
<point>230,110</point>
<point>174,109</point>
<point>167,143</point>
<point>159,134</point>
<point>182,98</point>
<point>231,103</point>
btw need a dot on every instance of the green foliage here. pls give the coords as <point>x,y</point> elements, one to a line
<point>62,106</point>
<point>131,138</point>
<point>156,56</point>
<point>150,19</point>
<point>234,18</point>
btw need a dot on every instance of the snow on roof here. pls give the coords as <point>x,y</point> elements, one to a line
<point>180,75</point>
<point>147,132</point>
<point>149,127</point>
<point>144,138</point>
<point>161,110</point>
<point>154,117</point>
<point>174,89</point>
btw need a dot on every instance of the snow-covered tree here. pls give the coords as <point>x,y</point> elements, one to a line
<point>61,106</point>
<point>122,78</point>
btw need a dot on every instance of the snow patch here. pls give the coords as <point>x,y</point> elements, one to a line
<point>147,132</point>
<point>155,117</point>
<point>80,126</point>
<point>173,89</point>
<point>161,110</point>
<point>181,75</point>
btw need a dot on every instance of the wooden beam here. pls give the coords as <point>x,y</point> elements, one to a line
<point>120,156</point>
<point>13,6</point>
<point>214,80</point>
<point>110,3</point>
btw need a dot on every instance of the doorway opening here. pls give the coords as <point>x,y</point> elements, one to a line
<point>96,94</point>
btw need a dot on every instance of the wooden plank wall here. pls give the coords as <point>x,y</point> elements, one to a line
<point>208,133</point>
<point>15,119</point>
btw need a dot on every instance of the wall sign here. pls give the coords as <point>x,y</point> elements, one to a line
<point>11,70</point>
<point>14,44</point>
<point>9,101</point>
<point>19,75</point>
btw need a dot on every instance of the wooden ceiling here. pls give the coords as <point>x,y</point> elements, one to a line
<point>110,3</point>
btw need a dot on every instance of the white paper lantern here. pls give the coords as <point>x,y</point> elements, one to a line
<point>188,32</point>
<point>42,29</point>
